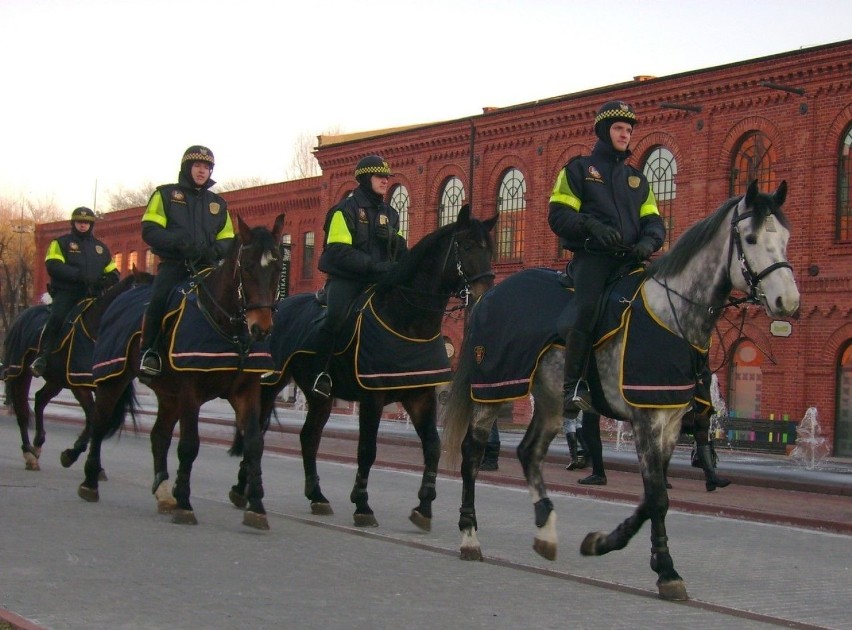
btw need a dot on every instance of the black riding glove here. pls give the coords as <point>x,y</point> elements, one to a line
<point>208,253</point>
<point>382,231</point>
<point>383,267</point>
<point>605,235</point>
<point>644,248</point>
<point>190,251</point>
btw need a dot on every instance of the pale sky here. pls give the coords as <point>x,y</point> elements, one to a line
<point>109,93</point>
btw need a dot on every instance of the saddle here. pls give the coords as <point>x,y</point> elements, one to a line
<point>507,342</point>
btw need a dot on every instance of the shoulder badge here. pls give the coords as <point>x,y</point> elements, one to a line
<point>633,181</point>
<point>479,354</point>
<point>177,195</point>
<point>215,207</point>
<point>362,215</point>
<point>73,246</point>
<point>99,249</point>
<point>594,172</point>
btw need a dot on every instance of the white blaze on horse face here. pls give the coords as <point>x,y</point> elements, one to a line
<point>763,248</point>
<point>267,259</point>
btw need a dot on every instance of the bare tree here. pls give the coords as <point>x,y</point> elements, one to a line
<point>240,182</point>
<point>122,197</point>
<point>304,164</point>
<point>18,218</point>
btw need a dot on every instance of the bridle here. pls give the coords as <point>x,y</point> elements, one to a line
<point>463,294</point>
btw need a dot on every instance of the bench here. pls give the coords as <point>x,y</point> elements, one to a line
<point>759,434</point>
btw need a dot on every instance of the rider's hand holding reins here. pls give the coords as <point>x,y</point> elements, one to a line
<point>604,234</point>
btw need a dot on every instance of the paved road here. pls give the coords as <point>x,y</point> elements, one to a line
<point>118,564</point>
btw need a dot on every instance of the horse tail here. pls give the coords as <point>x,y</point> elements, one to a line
<point>125,403</point>
<point>459,408</point>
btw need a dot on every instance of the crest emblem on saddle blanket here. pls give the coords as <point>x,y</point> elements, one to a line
<point>215,208</point>
<point>479,353</point>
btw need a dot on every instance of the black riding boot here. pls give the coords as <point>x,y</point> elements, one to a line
<point>150,364</point>
<point>576,392</point>
<point>578,460</point>
<point>325,347</point>
<point>39,364</point>
<point>705,457</point>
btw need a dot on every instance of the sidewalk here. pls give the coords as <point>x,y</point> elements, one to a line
<point>765,488</point>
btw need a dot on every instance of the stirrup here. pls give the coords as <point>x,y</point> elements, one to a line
<point>151,364</point>
<point>322,385</point>
<point>269,378</point>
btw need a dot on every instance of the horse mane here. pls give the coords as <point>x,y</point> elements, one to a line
<point>675,261</point>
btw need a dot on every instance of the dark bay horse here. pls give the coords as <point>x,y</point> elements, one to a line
<point>70,366</point>
<point>237,299</point>
<point>454,259</point>
<point>741,246</point>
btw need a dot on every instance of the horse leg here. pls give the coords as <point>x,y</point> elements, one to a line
<point>161,441</point>
<point>369,415</point>
<point>423,413</point>
<point>531,453</point>
<point>187,450</point>
<point>472,451</point>
<point>309,438</point>
<point>248,417</point>
<point>41,398</point>
<point>86,399</point>
<point>654,505</point>
<point>18,390</point>
<point>106,407</point>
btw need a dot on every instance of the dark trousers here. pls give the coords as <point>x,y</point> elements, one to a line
<point>63,302</point>
<point>591,273</point>
<point>169,275</point>
<point>592,436</point>
<point>339,295</point>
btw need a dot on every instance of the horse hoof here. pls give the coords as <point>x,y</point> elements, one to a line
<point>321,509</point>
<point>239,500</point>
<point>31,462</point>
<point>674,591</point>
<point>88,494</point>
<point>255,520</point>
<point>184,517</point>
<point>589,546</point>
<point>470,553</point>
<point>166,506</point>
<point>422,522</point>
<point>102,475</point>
<point>365,520</point>
<point>66,458</point>
<point>545,548</point>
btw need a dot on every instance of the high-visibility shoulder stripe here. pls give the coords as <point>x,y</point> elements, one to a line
<point>54,252</point>
<point>110,267</point>
<point>227,230</point>
<point>337,230</point>
<point>649,207</point>
<point>563,194</point>
<point>155,212</point>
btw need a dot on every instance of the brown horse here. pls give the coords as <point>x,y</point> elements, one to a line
<point>237,300</point>
<point>22,345</point>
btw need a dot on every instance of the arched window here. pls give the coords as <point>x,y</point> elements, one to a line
<point>308,256</point>
<point>746,381</point>
<point>843,430</point>
<point>660,170</point>
<point>452,200</point>
<point>754,159</point>
<point>399,201</point>
<point>132,261</point>
<point>511,203</point>
<point>150,261</point>
<point>118,259</point>
<point>843,231</point>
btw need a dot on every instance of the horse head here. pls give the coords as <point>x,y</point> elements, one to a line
<point>758,251</point>
<point>257,274</point>
<point>469,264</point>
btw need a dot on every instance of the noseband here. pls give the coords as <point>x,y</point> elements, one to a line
<point>755,294</point>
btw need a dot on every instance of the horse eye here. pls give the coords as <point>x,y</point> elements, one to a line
<point>751,239</point>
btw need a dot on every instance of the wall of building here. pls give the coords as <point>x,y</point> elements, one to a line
<point>699,116</point>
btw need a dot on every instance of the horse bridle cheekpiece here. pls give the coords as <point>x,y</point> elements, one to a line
<point>755,295</point>
<point>463,293</point>
<point>238,277</point>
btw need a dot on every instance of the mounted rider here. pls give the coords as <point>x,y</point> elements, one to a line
<point>362,245</point>
<point>79,265</point>
<point>604,211</point>
<point>187,226</point>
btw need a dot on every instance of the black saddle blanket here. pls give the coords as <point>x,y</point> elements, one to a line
<point>516,322</point>
<point>384,358</point>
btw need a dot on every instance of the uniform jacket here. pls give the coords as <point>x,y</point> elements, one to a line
<point>180,214</point>
<point>351,246</point>
<point>603,186</point>
<point>75,261</point>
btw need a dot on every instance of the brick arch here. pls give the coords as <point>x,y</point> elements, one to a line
<point>656,139</point>
<point>342,189</point>
<point>568,153</point>
<point>837,340</point>
<point>835,131</point>
<point>735,134</point>
<point>495,177</point>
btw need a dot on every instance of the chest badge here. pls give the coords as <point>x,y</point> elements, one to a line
<point>99,249</point>
<point>633,181</point>
<point>215,207</point>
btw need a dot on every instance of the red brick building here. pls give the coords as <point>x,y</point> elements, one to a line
<point>702,137</point>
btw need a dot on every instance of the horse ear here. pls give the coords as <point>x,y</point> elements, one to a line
<point>278,228</point>
<point>244,231</point>
<point>463,220</point>
<point>751,193</point>
<point>489,224</point>
<point>780,195</point>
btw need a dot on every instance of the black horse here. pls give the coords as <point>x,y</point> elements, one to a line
<point>410,306</point>
<point>69,366</point>
<point>236,300</point>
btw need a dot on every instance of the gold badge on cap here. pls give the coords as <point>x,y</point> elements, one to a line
<point>215,207</point>
<point>633,181</point>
